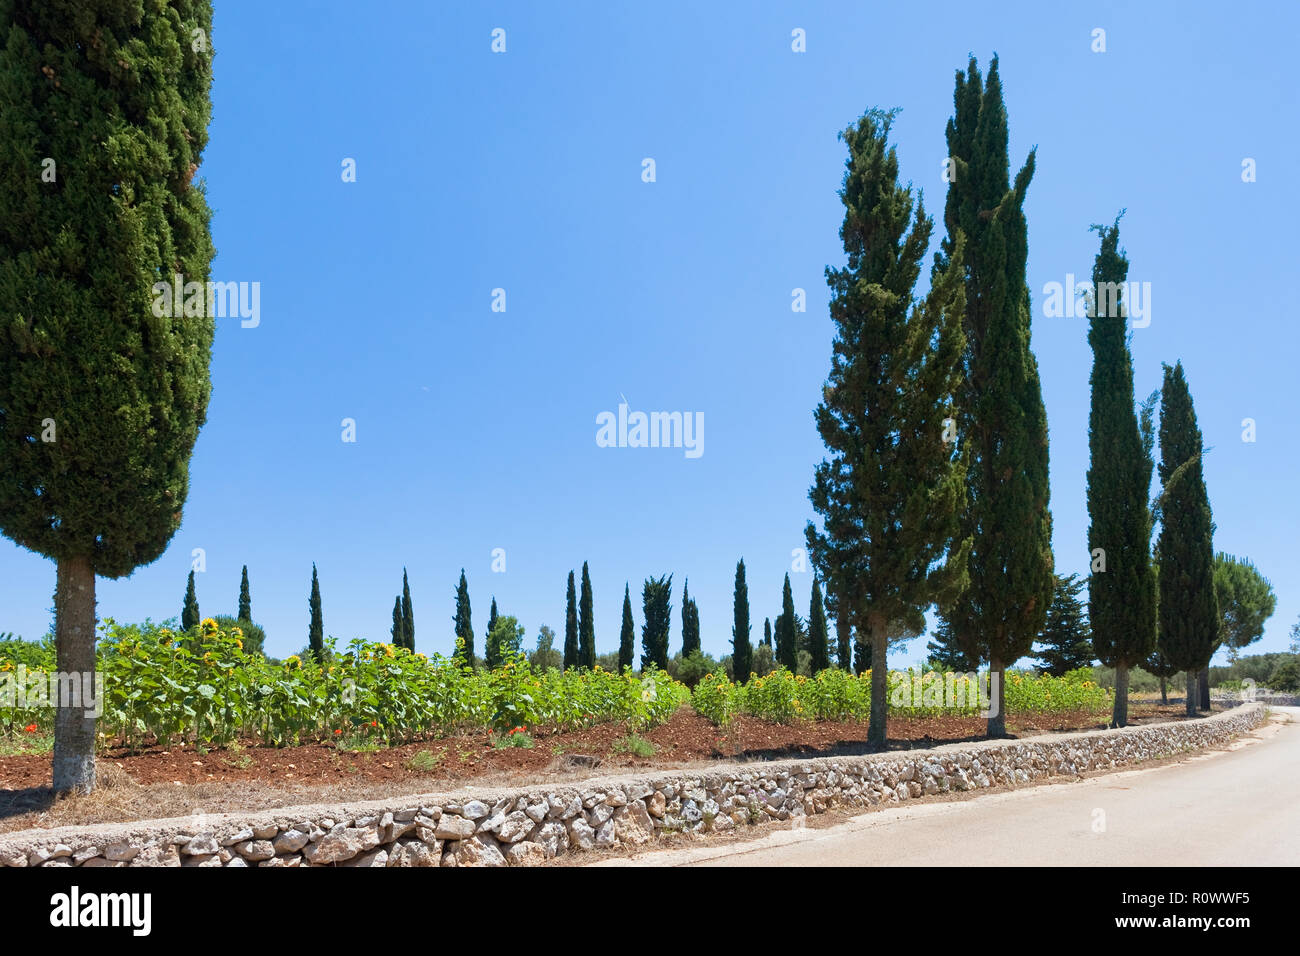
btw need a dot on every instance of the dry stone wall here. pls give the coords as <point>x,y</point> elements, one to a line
<point>531,825</point>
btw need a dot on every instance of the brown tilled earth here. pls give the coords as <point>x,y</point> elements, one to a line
<point>182,780</point>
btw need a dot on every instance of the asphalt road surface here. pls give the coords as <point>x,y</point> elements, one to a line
<point>1221,808</point>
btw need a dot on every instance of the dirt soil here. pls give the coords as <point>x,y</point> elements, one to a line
<point>179,781</point>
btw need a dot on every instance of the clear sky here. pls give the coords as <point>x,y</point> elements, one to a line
<point>522,171</point>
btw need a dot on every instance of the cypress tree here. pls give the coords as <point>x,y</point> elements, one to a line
<point>464,627</point>
<point>101,400</point>
<point>245,601</point>
<point>787,652</point>
<point>491,651</point>
<point>1121,589</point>
<point>586,624</point>
<point>818,643</point>
<point>408,615</point>
<point>690,623</point>
<point>316,629</point>
<point>190,610</point>
<point>627,636</point>
<point>945,653</point>
<point>1188,608</point>
<point>399,626</point>
<point>767,632</point>
<point>889,492</point>
<point>742,652</point>
<point>656,607</point>
<point>571,658</point>
<point>1000,419</point>
<point>1065,643</point>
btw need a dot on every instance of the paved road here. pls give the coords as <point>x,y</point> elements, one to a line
<point>1240,807</point>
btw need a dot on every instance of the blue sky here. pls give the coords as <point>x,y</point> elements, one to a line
<point>477,170</point>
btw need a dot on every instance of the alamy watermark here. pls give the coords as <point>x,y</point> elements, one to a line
<point>651,430</point>
<point>214,299</point>
<point>948,691</point>
<point>1076,300</point>
<point>23,690</point>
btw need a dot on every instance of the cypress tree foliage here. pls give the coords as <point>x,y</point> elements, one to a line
<point>464,627</point>
<point>571,658</point>
<point>491,650</point>
<point>818,638</point>
<point>786,634</point>
<point>843,629</point>
<point>690,623</point>
<point>1188,608</point>
<point>399,625</point>
<point>1001,422</point>
<point>586,624</point>
<point>945,652</point>
<point>408,615</point>
<point>101,400</point>
<point>889,492</point>
<point>742,652</point>
<point>656,597</point>
<point>1122,597</point>
<point>627,636</point>
<point>843,642</point>
<point>190,610</point>
<point>245,601</point>
<point>767,632</point>
<point>1065,643</point>
<point>316,629</point>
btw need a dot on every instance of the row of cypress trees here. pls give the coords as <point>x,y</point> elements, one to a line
<point>935,489</point>
<point>190,607</point>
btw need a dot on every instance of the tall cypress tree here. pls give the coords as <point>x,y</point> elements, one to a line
<point>742,652</point>
<point>656,607</point>
<point>767,632</point>
<point>1065,643</point>
<point>586,624</point>
<point>245,600</point>
<point>571,658</point>
<point>399,626</point>
<point>818,645</point>
<point>101,399</point>
<point>1000,418</point>
<point>889,491</point>
<point>1121,592</point>
<point>408,615</point>
<point>190,610</point>
<point>491,651</point>
<point>787,652</point>
<point>690,622</point>
<point>316,629</point>
<point>464,627</point>
<point>626,636</point>
<point>1188,608</point>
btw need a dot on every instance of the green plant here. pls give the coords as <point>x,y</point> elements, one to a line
<point>633,744</point>
<point>425,761</point>
<point>516,737</point>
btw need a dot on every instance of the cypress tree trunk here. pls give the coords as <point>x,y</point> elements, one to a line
<point>997,723</point>
<point>74,636</point>
<point>1203,680</point>
<point>1164,690</point>
<point>877,729</point>
<point>1191,693</point>
<point>1119,715</point>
